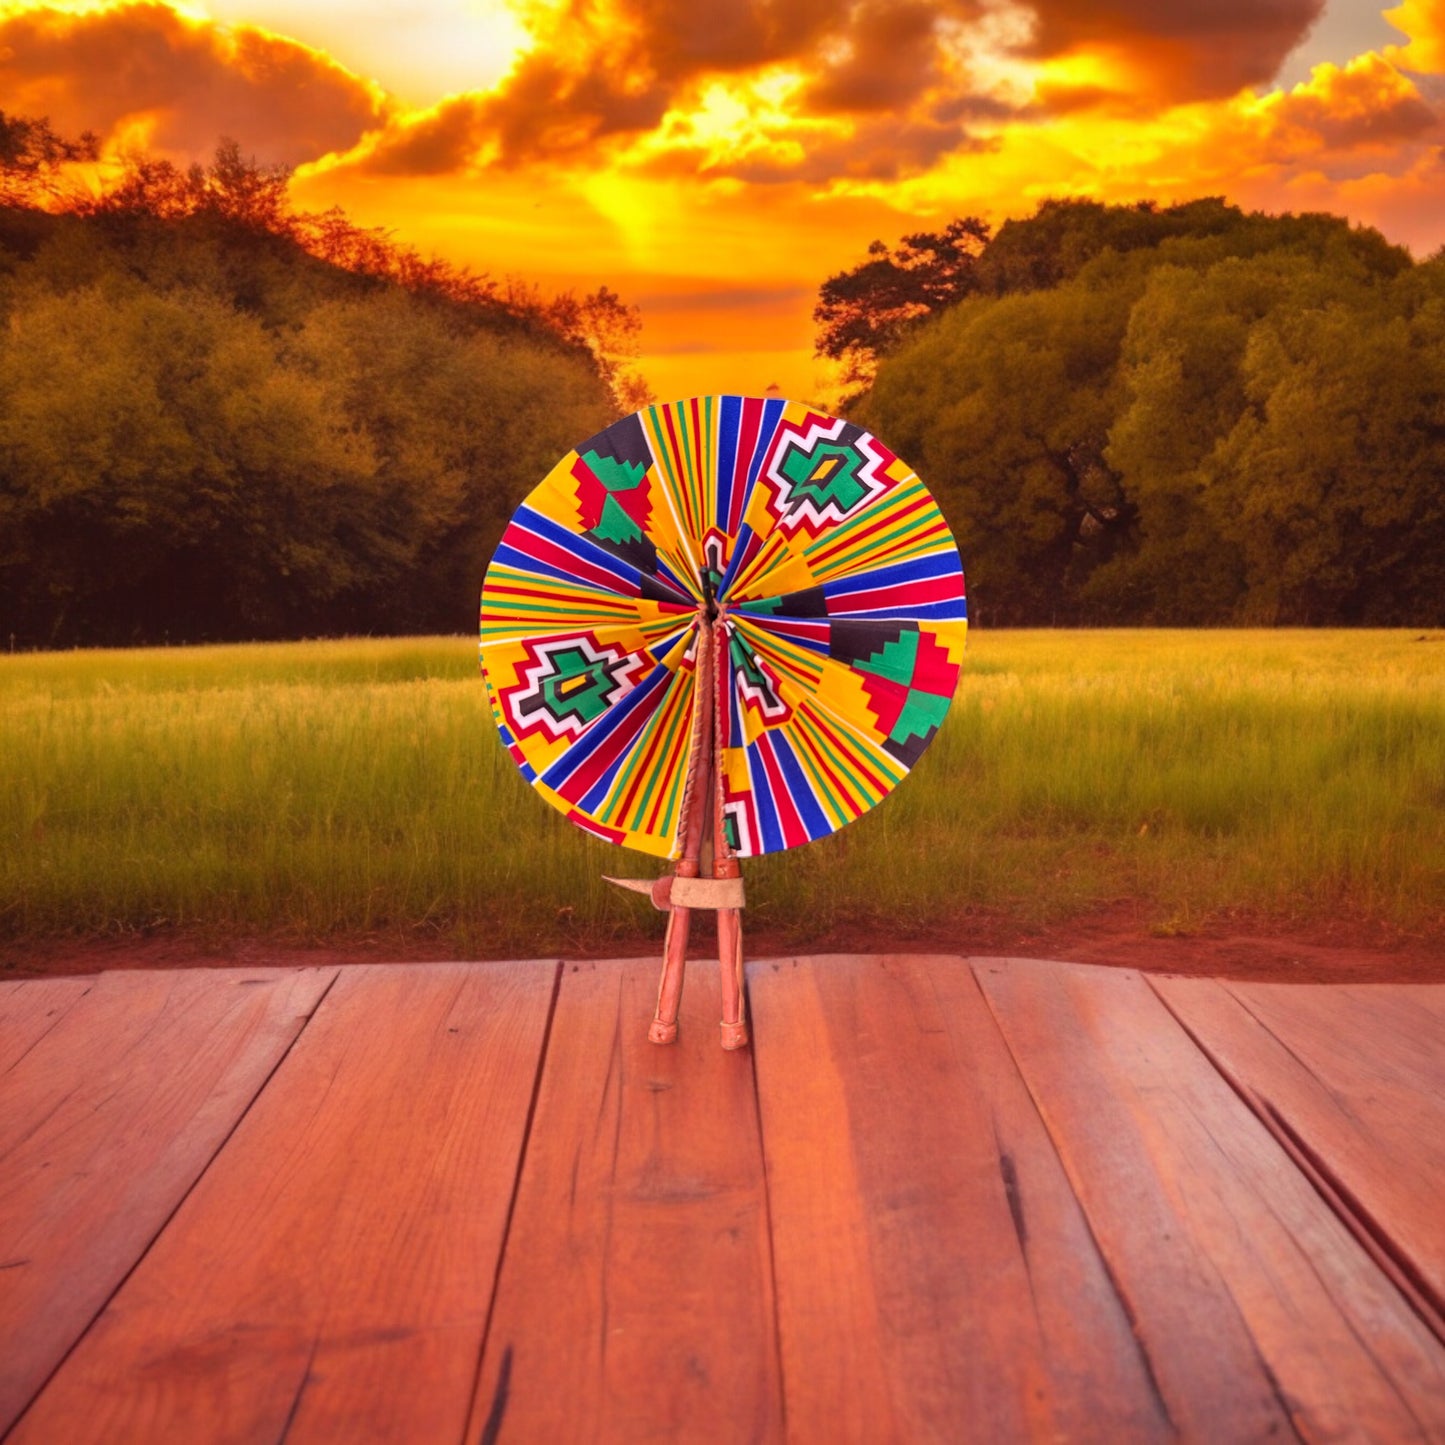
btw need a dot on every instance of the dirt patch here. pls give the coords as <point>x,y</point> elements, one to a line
<point>1243,948</point>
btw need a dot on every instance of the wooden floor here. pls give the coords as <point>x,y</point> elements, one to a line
<point>941,1199</point>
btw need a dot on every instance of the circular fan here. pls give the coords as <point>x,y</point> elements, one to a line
<point>719,628</point>
<point>840,611</point>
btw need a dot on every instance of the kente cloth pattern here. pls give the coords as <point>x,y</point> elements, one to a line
<point>841,626</point>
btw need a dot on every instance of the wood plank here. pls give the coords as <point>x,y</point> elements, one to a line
<point>30,1008</point>
<point>1352,1080</point>
<point>1258,1309</point>
<point>108,1120</point>
<point>936,1279</point>
<point>329,1277</point>
<point>635,1301</point>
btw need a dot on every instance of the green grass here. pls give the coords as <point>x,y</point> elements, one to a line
<point>320,790</point>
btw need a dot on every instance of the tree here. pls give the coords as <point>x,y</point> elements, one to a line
<point>1332,481</point>
<point>611,330</point>
<point>1182,391</point>
<point>33,156</point>
<point>163,471</point>
<point>1243,421</point>
<point>1005,408</point>
<point>222,419</point>
<point>1063,236</point>
<point>462,423</point>
<point>865,312</point>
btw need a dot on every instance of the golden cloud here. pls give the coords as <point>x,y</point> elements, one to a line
<point>633,140</point>
<point>1423,22</point>
<point>144,71</point>
<point>1173,51</point>
<point>1364,104</point>
<point>867,87</point>
<point>857,92</point>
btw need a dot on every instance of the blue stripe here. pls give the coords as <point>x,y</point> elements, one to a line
<point>603,728</point>
<point>767,429</point>
<point>600,789</point>
<point>768,824</point>
<point>740,547</point>
<point>511,557</point>
<point>918,569</point>
<point>778,623</point>
<point>533,521</point>
<point>664,573</point>
<point>729,414</point>
<point>772,415</point>
<point>954,610</point>
<point>799,788</point>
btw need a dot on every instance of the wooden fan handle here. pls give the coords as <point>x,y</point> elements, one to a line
<point>734,1023</point>
<point>696,792</point>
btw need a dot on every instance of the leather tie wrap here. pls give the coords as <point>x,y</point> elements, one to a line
<point>671,891</point>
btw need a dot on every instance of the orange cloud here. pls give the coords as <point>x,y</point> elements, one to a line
<point>1423,23</point>
<point>718,158</point>
<point>828,92</point>
<point>1364,104</point>
<point>145,71</point>
<point>868,88</point>
<point>1176,50</point>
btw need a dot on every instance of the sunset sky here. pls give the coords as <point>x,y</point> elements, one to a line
<point>714,160</point>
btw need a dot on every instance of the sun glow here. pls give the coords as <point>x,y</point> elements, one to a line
<point>718,166</point>
<point>429,49</point>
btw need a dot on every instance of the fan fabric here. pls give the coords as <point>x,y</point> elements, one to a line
<point>841,628</point>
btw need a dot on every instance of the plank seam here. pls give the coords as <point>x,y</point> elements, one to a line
<point>491,1426</point>
<point>34,1043</point>
<point>1339,1199</point>
<point>1146,1360</point>
<point>180,1203</point>
<point>767,1210</point>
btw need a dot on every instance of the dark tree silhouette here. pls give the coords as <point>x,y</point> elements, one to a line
<point>33,155</point>
<point>865,312</point>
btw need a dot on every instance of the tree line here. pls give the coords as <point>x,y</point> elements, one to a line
<point>1188,416</point>
<point>221,418</point>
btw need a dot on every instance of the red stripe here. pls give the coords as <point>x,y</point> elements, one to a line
<point>577,786</point>
<point>901,594</point>
<point>792,825</point>
<point>853,804</point>
<point>849,752</point>
<point>796,628</point>
<point>752,420</point>
<point>854,538</point>
<point>539,594</point>
<point>541,550</point>
<point>591,825</point>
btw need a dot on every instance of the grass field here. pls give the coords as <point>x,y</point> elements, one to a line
<point>318,790</point>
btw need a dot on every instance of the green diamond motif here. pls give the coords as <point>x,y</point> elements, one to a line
<point>828,473</point>
<point>578,688</point>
